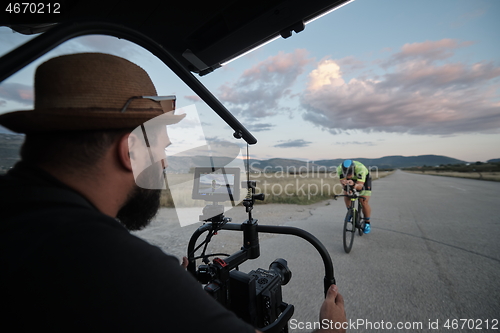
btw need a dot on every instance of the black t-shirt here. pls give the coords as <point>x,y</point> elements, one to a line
<point>67,267</point>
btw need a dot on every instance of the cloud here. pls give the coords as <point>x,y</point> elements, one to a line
<point>193,98</point>
<point>418,96</point>
<point>466,18</point>
<point>350,63</point>
<point>293,144</point>
<point>260,127</point>
<point>256,93</point>
<point>428,51</point>
<point>327,74</point>
<point>17,92</point>
<point>428,77</point>
<point>365,143</point>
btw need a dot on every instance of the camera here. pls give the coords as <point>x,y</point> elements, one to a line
<point>255,297</point>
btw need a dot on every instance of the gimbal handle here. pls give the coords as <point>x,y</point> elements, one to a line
<point>252,252</point>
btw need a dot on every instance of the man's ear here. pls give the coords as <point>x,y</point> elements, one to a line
<point>123,151</point>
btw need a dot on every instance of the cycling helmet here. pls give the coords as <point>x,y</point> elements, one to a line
<point>347,167</point>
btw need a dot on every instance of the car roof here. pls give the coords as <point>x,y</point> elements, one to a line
<point>189,37</point>
<point>200,35</point>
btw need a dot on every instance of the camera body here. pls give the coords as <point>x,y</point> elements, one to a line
<point>255,297</point>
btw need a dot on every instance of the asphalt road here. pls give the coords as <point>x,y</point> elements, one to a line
<point>433,256</point>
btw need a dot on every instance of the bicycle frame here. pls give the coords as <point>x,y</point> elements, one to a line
<point>360,205</point>
<point>353,201</point>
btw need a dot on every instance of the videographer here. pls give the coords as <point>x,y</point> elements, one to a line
<point>68,261</point>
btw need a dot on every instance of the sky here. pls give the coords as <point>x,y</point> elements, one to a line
<point>371,79</point>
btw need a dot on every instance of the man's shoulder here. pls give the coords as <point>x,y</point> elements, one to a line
<point>52,208</point>
<point>20,196</point>
<point>358,164</point>
<point>74,226</point>
<point>36,213</point>
<point>77,239</point>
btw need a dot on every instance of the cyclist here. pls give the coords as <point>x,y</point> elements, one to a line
<point>354,173</point>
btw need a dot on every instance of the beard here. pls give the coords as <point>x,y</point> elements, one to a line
<point>141,207</point>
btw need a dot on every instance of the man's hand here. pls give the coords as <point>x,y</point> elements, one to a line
<point>185,262</point>
<point>347,182</point>
<point>333,310</point>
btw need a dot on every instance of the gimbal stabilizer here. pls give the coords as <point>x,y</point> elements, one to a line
<point>261,288</point>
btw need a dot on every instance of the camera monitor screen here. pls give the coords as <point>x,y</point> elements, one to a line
<point>220,185</point>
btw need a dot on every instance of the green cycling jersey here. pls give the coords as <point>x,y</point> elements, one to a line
<point>360,172</point>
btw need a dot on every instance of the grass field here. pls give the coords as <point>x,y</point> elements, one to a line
<point>495,176</point>
<point>280,187</point>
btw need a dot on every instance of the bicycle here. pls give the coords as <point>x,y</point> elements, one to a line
<point>353,219</point>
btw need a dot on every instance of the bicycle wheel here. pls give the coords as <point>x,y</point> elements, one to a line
<point>349,229</point>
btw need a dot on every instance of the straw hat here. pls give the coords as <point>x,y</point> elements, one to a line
<point>87,91</point>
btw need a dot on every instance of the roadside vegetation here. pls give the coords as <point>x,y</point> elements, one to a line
<point>478,170</point>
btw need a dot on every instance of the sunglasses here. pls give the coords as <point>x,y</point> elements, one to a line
<point>153,98</point>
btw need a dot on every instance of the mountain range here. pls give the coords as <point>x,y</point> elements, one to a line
<point>387,162</point>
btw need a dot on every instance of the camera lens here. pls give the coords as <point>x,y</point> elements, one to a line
<point>280,266</point>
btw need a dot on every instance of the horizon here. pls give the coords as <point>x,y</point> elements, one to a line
<point>371,158</point>
<point>398,79</point>
<point>336,158</point>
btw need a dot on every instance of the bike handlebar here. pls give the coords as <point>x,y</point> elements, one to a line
<point>349,196</point>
